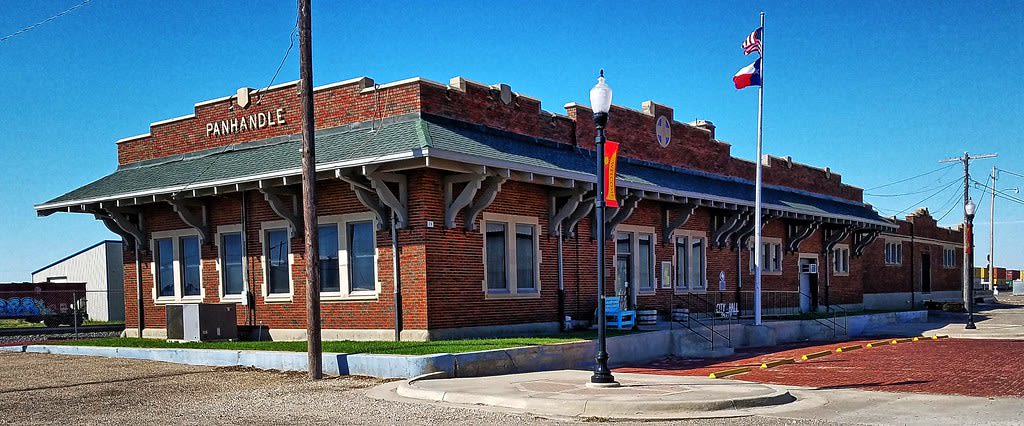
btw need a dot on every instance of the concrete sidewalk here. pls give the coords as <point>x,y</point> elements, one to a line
<point>564,393</point>
<point>1000,320</point>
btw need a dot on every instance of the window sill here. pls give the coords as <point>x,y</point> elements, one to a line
<point>841,274</point>
<point>647,292</point>
<point>167,300</point>
<point>281,298</point>
<point>893,264</point>
<point>348,298</point>
<point>509,295</point>
<point>700,290</point>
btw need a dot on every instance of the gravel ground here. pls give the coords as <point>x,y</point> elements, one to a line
<point>38,338</point>
<point>57,389</point>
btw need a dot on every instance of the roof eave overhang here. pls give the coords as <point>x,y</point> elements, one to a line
<point>283,177</point>
<point>435,158</point>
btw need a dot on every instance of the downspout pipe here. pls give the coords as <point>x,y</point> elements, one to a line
<point>138,288</point>
<point>396,271</point>
<point>913,267</point>
<point>561,282</point>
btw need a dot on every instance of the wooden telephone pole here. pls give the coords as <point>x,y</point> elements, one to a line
<point>309,224</point>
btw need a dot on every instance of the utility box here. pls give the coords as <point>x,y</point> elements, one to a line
<point>200,322</point>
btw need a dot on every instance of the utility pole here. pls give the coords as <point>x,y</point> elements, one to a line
<point>967,275</point>
<point>992,224</point>
<point>313,347</point>
<point>992,233</point>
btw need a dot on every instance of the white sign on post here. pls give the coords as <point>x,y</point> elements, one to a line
<point>721,281</point>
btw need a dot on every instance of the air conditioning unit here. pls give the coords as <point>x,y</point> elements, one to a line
<point>809,268</point>
<point>199,322</point>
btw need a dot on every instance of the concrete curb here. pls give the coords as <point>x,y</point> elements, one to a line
<point>385,366</point>
<point>633,409</point>
<point>626,350</point>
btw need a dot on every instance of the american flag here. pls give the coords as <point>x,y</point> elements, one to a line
<point>752,43</point>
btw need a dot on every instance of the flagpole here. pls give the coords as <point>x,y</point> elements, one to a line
<point>758,247</point>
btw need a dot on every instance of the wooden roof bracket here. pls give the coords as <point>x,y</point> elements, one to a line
<point>682,215</point>
<point>741,238</point>
<point>452,206</point>
<point>583,210</point>
<point>833,236</point>
<point>490,186</point>
<point>625,210</point>
<point>732,224</point>
<point>367,196</point>
<point>397,203</point>
<point>185,210</point>
<point>117,221</point>
<point>273,196</point>
<point>862,238</point>
<point>796,233</point>
<point>559,213</point>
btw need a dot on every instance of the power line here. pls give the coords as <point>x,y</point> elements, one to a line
<point>928,197</point>
<point>955,200</point>
<point>998,193</point>
<point>43,22</point>
<point>291,43</point>
<point>912,177</point>
<point>908,193</point>
<point>1011,173</point>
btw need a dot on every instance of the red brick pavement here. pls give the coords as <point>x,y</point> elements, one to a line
<point>988,368</point>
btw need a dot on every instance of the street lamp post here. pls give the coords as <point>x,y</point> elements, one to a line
<point>969,248</point>
<point>600,102</point>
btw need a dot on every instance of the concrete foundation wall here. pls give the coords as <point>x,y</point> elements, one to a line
<point>886,301</point>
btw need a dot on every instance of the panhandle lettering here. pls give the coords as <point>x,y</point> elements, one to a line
<point>256,121</point>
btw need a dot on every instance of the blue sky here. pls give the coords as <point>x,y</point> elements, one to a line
<point>878,91</point>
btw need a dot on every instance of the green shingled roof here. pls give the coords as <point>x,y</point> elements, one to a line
<point>432,136</point>
<point>248,160</point>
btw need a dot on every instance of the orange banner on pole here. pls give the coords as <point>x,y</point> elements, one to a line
<point>611,155</point>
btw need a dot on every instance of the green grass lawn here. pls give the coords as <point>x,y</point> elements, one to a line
<point>97,322</point>
<point>351,347</point>
<point>17,323</point>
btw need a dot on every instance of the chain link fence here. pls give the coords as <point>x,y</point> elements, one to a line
<point>64,306</point>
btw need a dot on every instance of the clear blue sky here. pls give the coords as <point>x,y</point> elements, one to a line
<point>878,91</point>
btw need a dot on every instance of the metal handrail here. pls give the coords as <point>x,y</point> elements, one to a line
<point>835,317</point>
<point>693,316</point>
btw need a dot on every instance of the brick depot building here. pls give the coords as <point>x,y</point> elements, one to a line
<point>482,185</point>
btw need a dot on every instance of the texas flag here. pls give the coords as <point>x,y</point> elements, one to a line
<point>749,75</point>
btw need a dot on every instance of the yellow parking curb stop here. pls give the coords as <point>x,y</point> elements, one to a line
<point>776,363</point>
<point>873,344</point>
<point>729,372</point>
<point>848,348</point>
<point>816,355</point>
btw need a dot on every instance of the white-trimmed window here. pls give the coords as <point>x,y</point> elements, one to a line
<point>511,255</point>
<point>841,260</point>
<point>276,260</point>
<point>634,254</point>
<point>691,261</point>
<point>893,253</point>
<point>771,255</point>
<point>348,256</point>
<point>230,260</point>
<point>948,257</point>
<point>177,266</point>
